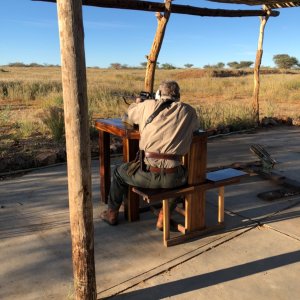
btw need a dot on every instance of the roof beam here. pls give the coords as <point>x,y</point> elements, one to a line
<point>177,9</point>
<point>272,3</point>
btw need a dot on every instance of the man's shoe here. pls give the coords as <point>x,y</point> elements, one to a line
<point>160,221</point>
<point>110,216</point>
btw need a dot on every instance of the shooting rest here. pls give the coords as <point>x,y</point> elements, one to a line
<point>194,192</point>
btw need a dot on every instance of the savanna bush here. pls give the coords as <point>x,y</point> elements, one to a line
<point>53,119</point>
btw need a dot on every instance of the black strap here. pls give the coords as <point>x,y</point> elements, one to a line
<point>158,110</point>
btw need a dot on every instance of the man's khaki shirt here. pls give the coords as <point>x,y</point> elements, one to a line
<point>170,132</point>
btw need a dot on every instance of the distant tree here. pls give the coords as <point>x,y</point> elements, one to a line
<point>240,65</point>
<point>245,64</point>
<point>284,61</point>
<point>124,66</point>
<point>35,65</point>
<point>17,64</point>
<point>220,65</point>
<point>115,66</point>
<point>233,64</point>
<point>143,64</point>
<point>167,66</point>
<point>188,65</point>
<point>207,66</point>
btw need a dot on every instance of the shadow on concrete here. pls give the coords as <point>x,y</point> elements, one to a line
<point>205,280</point>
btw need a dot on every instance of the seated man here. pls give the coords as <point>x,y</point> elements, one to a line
<point>166,128</point>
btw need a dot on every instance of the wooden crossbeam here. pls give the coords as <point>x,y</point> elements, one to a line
<point>269,3</point>
<point>283,5</point>
<point>177,9</point>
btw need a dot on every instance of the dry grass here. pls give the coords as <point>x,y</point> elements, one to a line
<point>221,96</point>
<point>28,95</point>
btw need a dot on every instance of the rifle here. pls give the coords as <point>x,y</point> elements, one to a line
<point>143,95</point>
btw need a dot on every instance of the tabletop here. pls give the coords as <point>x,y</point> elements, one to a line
<point>117,127</point>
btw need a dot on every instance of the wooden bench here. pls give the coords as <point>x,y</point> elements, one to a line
<point>217,179</point>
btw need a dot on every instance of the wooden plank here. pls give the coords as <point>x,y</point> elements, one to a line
<point>176,8</point>
<point>154,195</point>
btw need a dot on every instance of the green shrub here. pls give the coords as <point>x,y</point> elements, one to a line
<point>54,120</point>
<point>5,115</point>
<point>26,128</point>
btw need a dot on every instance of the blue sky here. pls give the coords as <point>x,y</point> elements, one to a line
<point>29,33</point>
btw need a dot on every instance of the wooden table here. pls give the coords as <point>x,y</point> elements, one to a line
<point>195,161</point>
<point>130,136</point>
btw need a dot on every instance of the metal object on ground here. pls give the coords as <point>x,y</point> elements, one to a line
<point>267,161</point>
<point>277,194</point>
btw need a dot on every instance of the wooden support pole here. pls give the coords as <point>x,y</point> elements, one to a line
<point>78,146</point>
<point>259,53</point>
<point>162,20</point>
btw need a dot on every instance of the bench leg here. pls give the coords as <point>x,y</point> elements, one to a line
<point>166,214</point>
<point>221,205</point>
<point>187,217</point>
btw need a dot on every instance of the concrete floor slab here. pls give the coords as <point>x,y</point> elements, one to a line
<point>287,221</point>
<point>259,264</point>
<point>35,248</point>
<point>36,266</point>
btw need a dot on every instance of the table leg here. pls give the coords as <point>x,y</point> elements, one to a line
<point>104,158</point>
<point>131,206</point>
